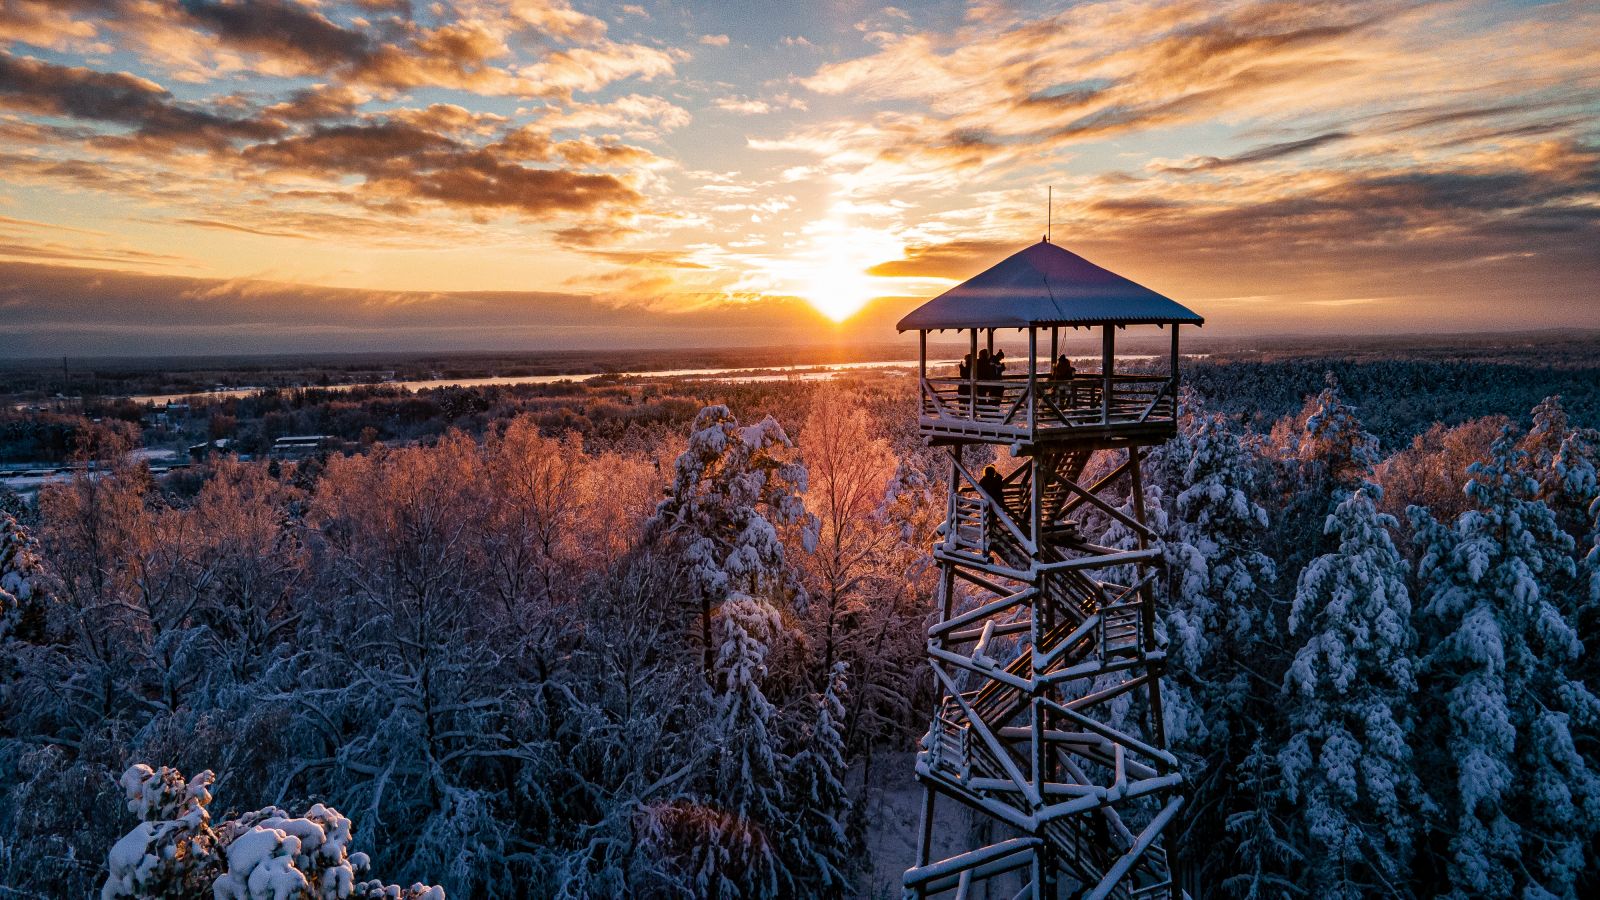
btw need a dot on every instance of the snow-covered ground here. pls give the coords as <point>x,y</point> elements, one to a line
<point>893,811</point>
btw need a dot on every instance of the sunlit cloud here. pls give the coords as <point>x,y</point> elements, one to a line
<point>1335,157</point>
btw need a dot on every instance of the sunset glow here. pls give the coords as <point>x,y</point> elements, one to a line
<point>374,167</point>
<point>756,450</point>
<point>829,267</point>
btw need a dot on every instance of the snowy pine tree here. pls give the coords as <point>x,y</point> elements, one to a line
<point>22,582</point>
<point>732,489</point>
<point>1347,768</point>
<point>1220,626</point>
<point>737,853</point>
<point>1563,460</point>
<point>1506,717</point>
<point>1219,606</point>
<point>1322,454</point>
<point>819,849</point>
<point>1592,559</point>
<point>1333,438</point>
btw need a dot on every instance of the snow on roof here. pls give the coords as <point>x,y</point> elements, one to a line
<point>1046,285</point>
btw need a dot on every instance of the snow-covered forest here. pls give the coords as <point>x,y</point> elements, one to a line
<point>524,661</point>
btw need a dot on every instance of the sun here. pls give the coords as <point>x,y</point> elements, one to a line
<point>831,270</point>
<point>838,289</point>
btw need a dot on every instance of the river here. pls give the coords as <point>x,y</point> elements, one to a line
<point>744,375</point>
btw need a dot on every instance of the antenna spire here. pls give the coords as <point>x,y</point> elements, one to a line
<point>1049,212</point>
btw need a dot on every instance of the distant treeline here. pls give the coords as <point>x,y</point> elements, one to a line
<point>1398,399</point>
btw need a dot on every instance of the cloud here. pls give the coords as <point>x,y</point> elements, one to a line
<point>51,25</point>
<point>669,259</point>
<point>952,259</point>
<point>469,47</point>
<point>588,69</point>
<point>242,229</point>
<point>285,31</point>
<point>637,113</point>
<point>1002,92</point>
<point>714,40</point>
<point>402,160</point>
<point>43,88</point>
<point>593,235</point>
<point>60,309</point>
<point>558,19</point>
<point>1259,154</point>
<point>319,103</point>
<point>742,105</point>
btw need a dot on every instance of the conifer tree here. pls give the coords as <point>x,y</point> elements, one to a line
<point>1563,458</point>
<point>818,802</point>
<point>1220,628</point>
<point>1347,768</point>
<point>22,587</point>
<point>732,489</point>
<point>1323,453</point>
<point>1220,605</point>
<point>740,856</point>
<point>1333,438</point>
<point>1507,717</point>
<point>176,851</point>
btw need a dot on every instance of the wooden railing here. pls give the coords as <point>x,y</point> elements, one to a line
<point>1009,406</point>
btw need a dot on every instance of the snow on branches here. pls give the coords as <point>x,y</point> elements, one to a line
<point>1328,439</point>
<point>268,854</point>
<point>1216,596</point>
<point>22,588</point>
<point>732,488</point>
<point>1509,716</point>
<point>817,825</point>
<point>1347,764</point>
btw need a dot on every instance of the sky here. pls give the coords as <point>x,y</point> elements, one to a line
<point>304,175</point>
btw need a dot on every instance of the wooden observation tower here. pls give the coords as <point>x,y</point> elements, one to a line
<point>1042,630</point>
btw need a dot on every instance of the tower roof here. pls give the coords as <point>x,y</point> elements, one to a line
<point>1046,285</point>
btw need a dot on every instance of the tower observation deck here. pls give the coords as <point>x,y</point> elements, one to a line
<point>1044,654</point>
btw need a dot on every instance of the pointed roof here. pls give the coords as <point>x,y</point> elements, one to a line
<point>1046,285</point>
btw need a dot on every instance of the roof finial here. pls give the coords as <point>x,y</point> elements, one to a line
<point>1049,211</point>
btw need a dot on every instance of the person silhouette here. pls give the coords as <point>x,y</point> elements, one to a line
<point>994,485</point>
<point>1062,373</point>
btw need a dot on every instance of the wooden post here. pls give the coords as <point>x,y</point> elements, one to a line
<point>926,836</point>
<point>1108,354</point>
<point>972,377</point>
<point>1174,363</point>
<point>1033,381</point>
<point>922,370</point>
<point>955,490</point>
<point>1038,622</point>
